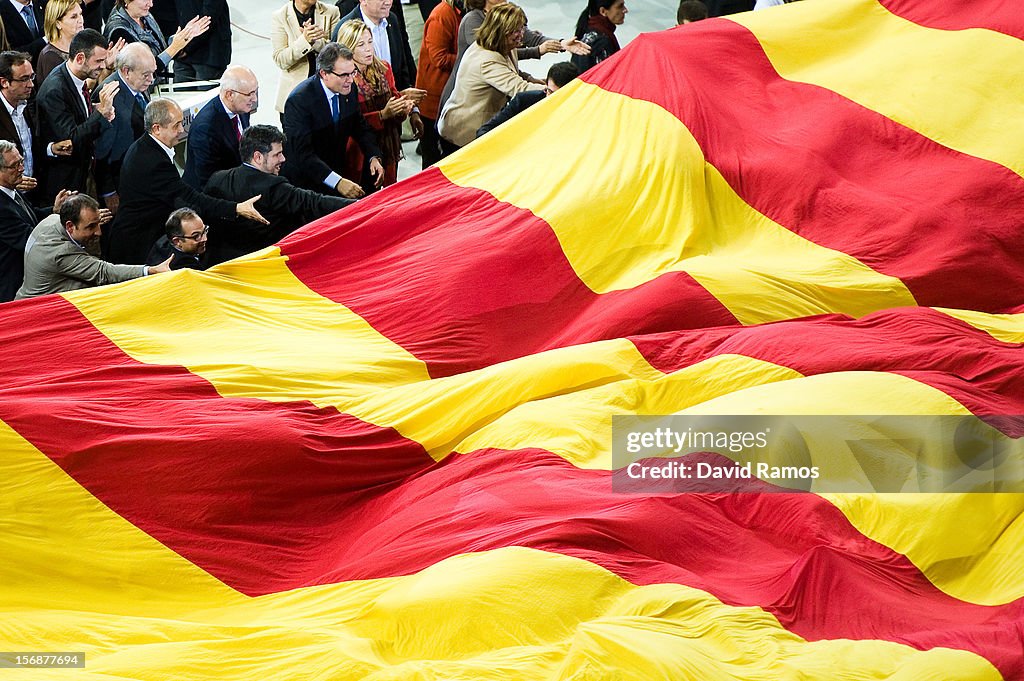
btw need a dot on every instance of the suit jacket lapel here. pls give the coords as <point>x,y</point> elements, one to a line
<point>10,132</point>
<point>22,205</point>
<point>70,85</point>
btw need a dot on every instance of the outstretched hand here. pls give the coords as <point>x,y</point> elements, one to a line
<point>247,209</point>
<point>576,46</point>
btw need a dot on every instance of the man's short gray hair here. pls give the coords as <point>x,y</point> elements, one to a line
<point>7,146</point>
<point>329,55</point>
<point>160,112</point>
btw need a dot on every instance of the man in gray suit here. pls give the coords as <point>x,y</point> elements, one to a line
<point>62,253</point>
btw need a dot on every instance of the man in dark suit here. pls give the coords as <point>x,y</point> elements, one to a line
<point>286,206</point>
<point>64,111</point>
<point>136,68</point>
<point>183,242</point>
<point>151,188</point>
<point>17,78</point>
<point>215,131</point>
<point>24,25</point>
<point>320,115</point>
<point>17,220</point>
<point>209,54</point>
<point>377,15</point>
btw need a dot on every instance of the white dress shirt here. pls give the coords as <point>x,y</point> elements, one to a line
<point>24,132</point>
<point>167,150</point>
<point>381,46</point>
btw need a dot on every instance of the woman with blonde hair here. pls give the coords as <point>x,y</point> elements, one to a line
<point>62,20</point>
<point>381,104</point>
<point>487,77</point>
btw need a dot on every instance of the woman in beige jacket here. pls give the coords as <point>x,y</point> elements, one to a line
<point>298,31</point>
<point>487,77</point>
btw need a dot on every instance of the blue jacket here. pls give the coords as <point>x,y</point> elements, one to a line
<point>212,143</point>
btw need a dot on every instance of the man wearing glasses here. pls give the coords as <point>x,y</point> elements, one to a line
<point>16,121</point>
<point>135,68</point>
<point>320,116</point>
<point>184,242</point>
<point>17,219</point>
<point>62,254</point>
<point>215,131</point>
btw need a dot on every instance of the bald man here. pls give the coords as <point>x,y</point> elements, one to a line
<point>215,131</point>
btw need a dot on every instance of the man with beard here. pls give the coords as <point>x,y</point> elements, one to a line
<point>184,243</point>
<point>67,122</point>
<point>62,253</point>
<point>285,206</point>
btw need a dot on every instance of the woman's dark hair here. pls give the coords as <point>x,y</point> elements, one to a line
<point>592,10</point>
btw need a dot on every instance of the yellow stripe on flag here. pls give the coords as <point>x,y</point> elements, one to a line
<point>649,203</point>
<point>933,81</point>
<point>578,425</point>
<point>968,545</point>
<point>1008,328</point>
<point>253,330</point>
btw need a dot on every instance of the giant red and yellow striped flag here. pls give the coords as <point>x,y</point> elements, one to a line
<point>382,450</point>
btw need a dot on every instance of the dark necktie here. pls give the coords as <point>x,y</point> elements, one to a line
<point>237,124</point>
<point>30,20</point>
<point>141,100</point>
<point>18,199</point>
<point>88,99</point>
<point>335,108</point>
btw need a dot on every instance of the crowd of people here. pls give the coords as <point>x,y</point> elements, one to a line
<point>89,190</point>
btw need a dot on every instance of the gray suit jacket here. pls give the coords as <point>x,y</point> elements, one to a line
<point>55,264</point>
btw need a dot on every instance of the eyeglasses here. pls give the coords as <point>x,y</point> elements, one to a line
<point>196,237</point>
<point>347,74</point>
<point>12,166</point>
<point>247,95</point>
<point>24,79</point>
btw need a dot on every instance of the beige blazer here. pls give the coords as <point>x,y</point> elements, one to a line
<point>290,47</point>
<point>56,264</point>
<point>485,81</point>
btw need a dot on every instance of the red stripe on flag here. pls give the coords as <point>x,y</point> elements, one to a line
<point>969,365</point>
<point>1002,16</point>
<point>840,175</point>
<point>268,497</point>
<point>506,289</point>
<point>237,486</point>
